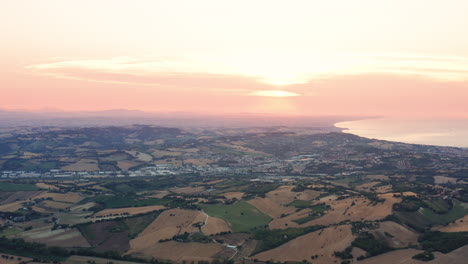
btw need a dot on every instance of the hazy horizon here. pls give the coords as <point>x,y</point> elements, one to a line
<point>310,58</point>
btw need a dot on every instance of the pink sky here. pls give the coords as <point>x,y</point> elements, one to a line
<point>391,58</point>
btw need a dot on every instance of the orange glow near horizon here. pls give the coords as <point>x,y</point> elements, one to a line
<point>306,58</point>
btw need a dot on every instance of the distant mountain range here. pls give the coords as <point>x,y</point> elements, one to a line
<point>174,119</point>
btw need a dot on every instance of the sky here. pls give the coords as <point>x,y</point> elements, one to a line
<point>361,57</point>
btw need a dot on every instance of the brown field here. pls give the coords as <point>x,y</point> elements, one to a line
<point>83,165</point>
<point>164,153</point>
<point>125,165</point>
<point>242,149</point>
<point>15,259</point>
<point>60,237</point>
<point>231,195</point>
<point>403,237</point>
<point>70,197</point>
<point>397,256</point>
<point>11,207</point>
<point>366,186</point>
<point>384,189</point>
<point>172,161</point>
<point>329,198</point>
<point>46,186</point>
<point>357,252</point>
<point>179,252</point>
<point>80,207</point>
<point>198,162</point>
<point>188,190</point>
<point>270,207</point>
<point>308,195</point>
<point>9,197</point>
<point>214,226</point>
<point>460,225</point>
<point>458,256</point>
<point>283,195</point>
<point>166,225</point>
<point>443,179</point>
<point>377,177</point>
<point>287,221</point>
<point>322,242</point>
<point>159,194</point>
<point>214,182</point>
<point>342,210</point>
<point>140,155</point>
<point>129,210</point>
<point>54,205</point>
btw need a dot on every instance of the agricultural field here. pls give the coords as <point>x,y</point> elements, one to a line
<point>241,216</point>
<point>154,195</point>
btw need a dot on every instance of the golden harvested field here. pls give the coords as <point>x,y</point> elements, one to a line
<point>166,225</point>
<point>179,252</point>
<point>231,195</point>
<point>126,164</point>
<point>11,207</point>
<point>458,256</point>
<point>443,179</point>
<point>384,189</point>
<point>403,237</point>
<point>342,210</point>
<point>129,210</point>
<point>366,186</point>
<point>164,153</point>
<point>270,207</point>
<point>322,242</point>
<point>60,237</point>
<point>159,194</point>
<point>188,190</point>
<point>329,198</point>
<point>308,195</point>
<point>215,225</point>
<point>214,182</point>
<point>287,221</point>
<point>283,195</point>
<point>460,225</point>
<point>242,149</point>
<point>46,186</point>
<point>82,165</point>
<point>80,207</point>
<point>140,155</point>
<point>70,197</point>
<point>397,256</point>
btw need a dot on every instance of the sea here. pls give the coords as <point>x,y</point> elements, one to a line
<point>449,132</point>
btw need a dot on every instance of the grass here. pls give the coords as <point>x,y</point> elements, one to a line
<point>300,204</point>
<point>277,237</point>
<point>14,187</point>
<point>10,231</point>
<point>242,216</point>
<point>458,211</point>
<point>137,224</point>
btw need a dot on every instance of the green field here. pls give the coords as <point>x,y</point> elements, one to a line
<point>458,211</point>
<point>13,187</point>
<point>10,231</point>
<point>242,216</point>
